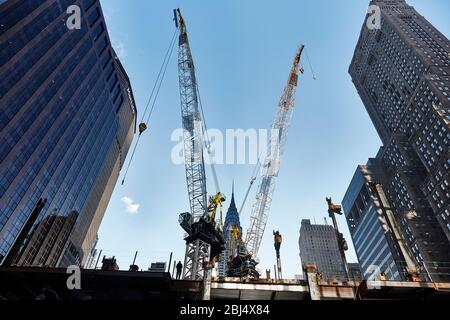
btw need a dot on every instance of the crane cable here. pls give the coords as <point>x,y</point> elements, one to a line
<point>252,181</point>
<point>154,97</point>
<point>310,65</point>
<point>208,143</point>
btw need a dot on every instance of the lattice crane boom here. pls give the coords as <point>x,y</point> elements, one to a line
<point>196,251</point>
<point>204,238</point>
<point>192,126</point>
<point>271,164</point>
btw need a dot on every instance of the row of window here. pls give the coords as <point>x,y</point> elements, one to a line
<point>27,33</point>
<point>45,73</point>
<point>95,146</point>
<point>56,134</point>
<point>38,132</point>
<point>432,48</point>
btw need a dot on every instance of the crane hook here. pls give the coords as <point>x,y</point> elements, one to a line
<point>142,128</point>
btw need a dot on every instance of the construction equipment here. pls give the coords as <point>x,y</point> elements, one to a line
<point>240,263</point>
<point>277,243</point>
<point>391,226</point>
<point>133,266</point>
<point>151,103</point>
<point>214,202</point>
<point>244,263</point>
<point>334,209</point>
<point>342,243</point>
<point>142,127</point>
<point>271,163</point>
<point>204,240</point>
<point>252,181</point>
<point>109,264</point>
<point>236,244</point>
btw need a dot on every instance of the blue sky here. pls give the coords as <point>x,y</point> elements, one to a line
<point>243,51</point>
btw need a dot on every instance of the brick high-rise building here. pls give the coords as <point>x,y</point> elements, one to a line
<point>67,119</point>
<point>402,73</point>
<point>319,246</point>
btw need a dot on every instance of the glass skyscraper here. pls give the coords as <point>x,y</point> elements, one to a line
<point>67,119</point>
<point>402,74</point>
<point>375,247</point>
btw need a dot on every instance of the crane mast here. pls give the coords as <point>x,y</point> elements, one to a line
<point>204,238</point>
<point>271,164</point>
<point>192,126</point>
<point>196,251</point>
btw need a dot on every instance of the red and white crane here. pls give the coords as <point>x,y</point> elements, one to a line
<point>271,164</point>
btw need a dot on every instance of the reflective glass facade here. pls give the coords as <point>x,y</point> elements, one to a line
<point>67,118</point>
<point>375,248</point>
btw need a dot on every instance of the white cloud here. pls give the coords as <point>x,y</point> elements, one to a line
<point>132,207</point>
<point>119,47</point>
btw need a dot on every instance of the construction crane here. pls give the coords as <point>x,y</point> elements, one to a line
<point>271,163</point>
<point>240,263</point>
<point>204,239</point>
<point>334,209</point>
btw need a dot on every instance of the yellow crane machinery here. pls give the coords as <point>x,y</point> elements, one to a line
<point>235,241</point>
<point>214,202</point>
<point>240,263</point>
<point>236,236</point>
